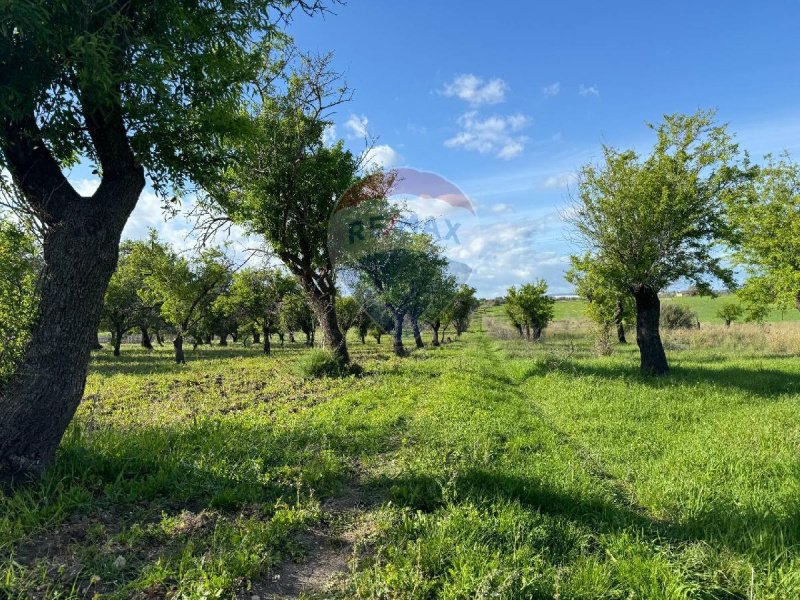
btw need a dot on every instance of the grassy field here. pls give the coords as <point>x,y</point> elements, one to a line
<point>705,307</point>
<point>489,468</point>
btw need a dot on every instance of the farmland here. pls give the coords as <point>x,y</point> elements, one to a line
<point>531,470</point>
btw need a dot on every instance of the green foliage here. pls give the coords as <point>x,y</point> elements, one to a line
<point>730,312</point>
<point>677,316</point>
<point>349,312</point>
<point>608,303</point>
<point>530,309</point>
<point>19,269</point>
<point>182,288</point>
<point>462,305</point>
<point>653,220</point>
<point>321,363</point>
<point>767,235</point>
<point>176,71</point>
<point>296,315</point>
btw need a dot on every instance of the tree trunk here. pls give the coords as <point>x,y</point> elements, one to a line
<point>267,348</point>
<point>223,339</point>
<point>147,344</point>
<point>397,334</point>
<point>117,341</point>
<point>618,312</point>
<point>256,337</point>
<point>97,345</point>
<point>417,334</point>
<point>291,337</point>
<point>209,339</point>
<point>435,327</point>
<point>180,358</point>
<point>325,310</point>
<point>648,315</point>
<point>81,247</point>
<point>159,339</point>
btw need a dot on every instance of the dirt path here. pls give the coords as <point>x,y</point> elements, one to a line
<point>328,550</point>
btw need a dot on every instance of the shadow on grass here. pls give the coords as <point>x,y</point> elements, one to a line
<point>763,383</point>
<point>738,529</point>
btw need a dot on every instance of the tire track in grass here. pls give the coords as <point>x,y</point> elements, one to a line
<point>620,490</point>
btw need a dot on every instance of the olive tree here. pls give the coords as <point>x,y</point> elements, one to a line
<point>647,222</point>
<point>137,89</point>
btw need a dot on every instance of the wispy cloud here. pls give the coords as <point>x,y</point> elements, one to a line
<point>551,90</point>
<point>357,126</point>
<point>560,180</point>
<point>588,90</point>
<point>476,91</point>
<point>498,135</point>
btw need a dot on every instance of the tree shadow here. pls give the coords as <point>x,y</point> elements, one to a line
<point>725,525</point>
<point>758,382</point>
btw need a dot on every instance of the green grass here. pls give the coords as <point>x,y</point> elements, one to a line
<point>494,468</point>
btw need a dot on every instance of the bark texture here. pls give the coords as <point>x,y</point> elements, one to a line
<point>80,255</point>
<point>648,338</point>
<point>417,334</point>
<point>397,334</point>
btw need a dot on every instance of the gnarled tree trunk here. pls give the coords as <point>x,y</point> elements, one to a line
<point>147,344</point>
<point>397,334</point>
<point>267,348</point>
<point>435,327</point>
<point>177,343</point>
<point>648,338</point>
<point>618,312</point>
<point>417,334</point>
<point>80,254</point>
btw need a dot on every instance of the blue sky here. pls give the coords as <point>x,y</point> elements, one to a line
<point>508,99</point>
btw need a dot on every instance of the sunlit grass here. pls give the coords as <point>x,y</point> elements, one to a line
<point>496,468</point>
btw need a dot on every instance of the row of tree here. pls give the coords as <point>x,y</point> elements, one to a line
<point>690,210</point>
<point>156,290</point>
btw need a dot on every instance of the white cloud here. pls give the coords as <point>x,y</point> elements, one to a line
<point>329,137</point>
<point>86,187</point>
<point>383,156</point>
<point>501,208</point>
<point>357,124</point>
<point>591,90</point>
<point>560,180</point>
<point>475,91</point>
<point>507,253</point>
<point>498,135</point>
<point>551,90</point>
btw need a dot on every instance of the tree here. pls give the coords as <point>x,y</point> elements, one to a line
<point>649,222</point>
<point>766,232</point>
<point>440,304</point>
<point>608,304</point>
<point>20,265</point>
<point>530,309</point>
<point>123,308</point>
<point>145,87</point>
<point>255,297</point>
<point>296,315</point>
<point>348,313</point>
<point>463,305</point>
<point>184,289</point>
<point>730,312</point>
<point>399,270</point>
<point>287,182</point>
